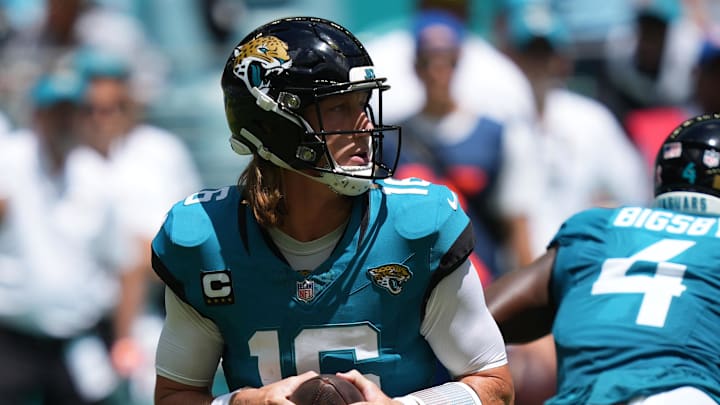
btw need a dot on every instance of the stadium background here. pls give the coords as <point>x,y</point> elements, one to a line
<point>189,99</point>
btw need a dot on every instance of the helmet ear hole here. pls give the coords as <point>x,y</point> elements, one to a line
<point>307,154</point>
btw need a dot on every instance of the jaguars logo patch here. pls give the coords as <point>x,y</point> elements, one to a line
<point>391,277</point>
<point>257,60</point>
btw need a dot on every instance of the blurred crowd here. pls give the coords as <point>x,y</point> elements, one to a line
<point>111,110</point>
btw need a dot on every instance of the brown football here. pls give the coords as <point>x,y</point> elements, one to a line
<point>326,390</point>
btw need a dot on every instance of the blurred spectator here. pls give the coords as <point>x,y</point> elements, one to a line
<point>150,169</point>
<point>486,81</point>
<point>61,27</point>
<point>649,64</point>
<point>588,31</point>
<point>221,18</point>
<point>588,25</point>
<point>446,142</point>
<point>5,125</point>
<point>60,254</point>
<point>582,154</point>
<point>647,126</point>
<point>706,98</point>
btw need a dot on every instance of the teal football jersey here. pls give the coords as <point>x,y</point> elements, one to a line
<point>362,308</point>
<point>645,318</point>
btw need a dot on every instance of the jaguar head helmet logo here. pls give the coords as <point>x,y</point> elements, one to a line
<point>260,58</point>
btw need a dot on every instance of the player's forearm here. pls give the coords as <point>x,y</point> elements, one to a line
<point>520,240</point>
<point>133,285</point>
<point>168,392</point>
<point>534,369</point>
<point>519,301</point>
<point>527,326</point>
<point>125,352</point>
<point>184,398</point>
<point>494,386</point>
<point>134,282</point>
<point>518,316</point>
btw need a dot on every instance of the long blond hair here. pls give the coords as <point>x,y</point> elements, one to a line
<point>262,184</point>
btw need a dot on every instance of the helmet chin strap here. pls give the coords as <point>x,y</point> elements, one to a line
<point>343,185</point>
<point>339,183</point>
<point>349,186</point>
<point>689,202</point>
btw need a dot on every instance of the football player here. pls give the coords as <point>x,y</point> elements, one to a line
<point>319,261</point>
<point>632,294</point>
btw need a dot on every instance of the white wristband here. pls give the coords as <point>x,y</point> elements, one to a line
<point>225,399</point>
<point>407,400</point>
<point>455,392</point>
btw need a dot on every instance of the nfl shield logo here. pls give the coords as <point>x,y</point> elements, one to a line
<point>305,290</point>
<point>711,158</point>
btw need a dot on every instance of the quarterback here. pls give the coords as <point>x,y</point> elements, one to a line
<point>319,261</point>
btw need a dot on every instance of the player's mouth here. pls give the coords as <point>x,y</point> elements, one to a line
<point>359,159</point>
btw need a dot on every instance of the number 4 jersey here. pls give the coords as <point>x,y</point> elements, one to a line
<point>638,298</point>
<point>362,308</point>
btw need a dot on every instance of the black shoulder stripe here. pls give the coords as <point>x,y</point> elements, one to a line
<point>167,277</point>
<point>458,252</point>
<point>455,256</point>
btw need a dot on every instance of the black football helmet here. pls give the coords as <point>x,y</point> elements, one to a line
<point>687,168</point>
<point>281,68</point>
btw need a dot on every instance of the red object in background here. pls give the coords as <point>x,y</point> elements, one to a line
<point>470,180</point>
<point>421,171</point>
<point>649,127</point>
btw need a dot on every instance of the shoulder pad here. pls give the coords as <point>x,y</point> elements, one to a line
<point>419,208</point>
<point>189,222</point>
<point>187,225</point>
<point>584,225</point>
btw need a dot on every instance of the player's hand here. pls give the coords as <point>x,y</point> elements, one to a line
<point>126,356</point>
<point>372,393</point>
<point>273,394</point>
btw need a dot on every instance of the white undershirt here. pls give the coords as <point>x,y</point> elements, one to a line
<point>457,324</point>
<point>303,256</point>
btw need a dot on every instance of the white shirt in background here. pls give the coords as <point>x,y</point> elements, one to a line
<point>60,247</point>
<point>577,156</point>
<point>151,170</point>
<point>486,82</point>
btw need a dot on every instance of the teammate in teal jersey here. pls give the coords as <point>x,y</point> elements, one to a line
<point>319,261</point>
<point>631,295</point>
